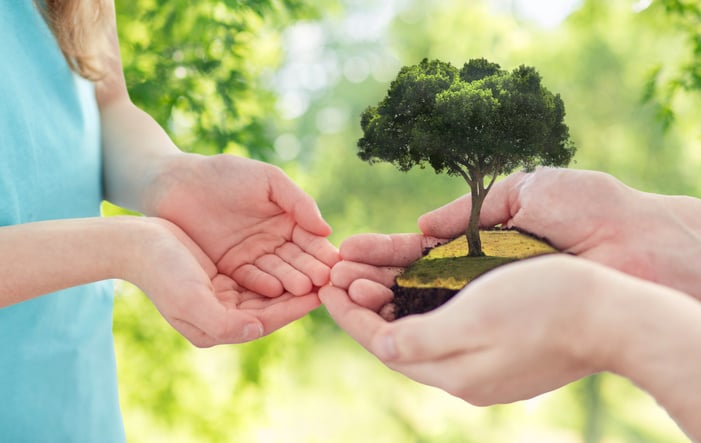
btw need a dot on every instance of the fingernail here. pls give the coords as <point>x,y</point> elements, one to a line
<point>252,331</point>
<point>388,348</point>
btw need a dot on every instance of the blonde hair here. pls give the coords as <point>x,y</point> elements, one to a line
<point>81,30</point>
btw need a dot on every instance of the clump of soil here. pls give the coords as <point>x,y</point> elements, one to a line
<point>408,301</point>
<point>440,274</point>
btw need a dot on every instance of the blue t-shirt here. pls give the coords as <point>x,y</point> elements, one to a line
<point>58,378</point>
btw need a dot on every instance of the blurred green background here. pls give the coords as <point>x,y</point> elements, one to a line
<point>285,81</point>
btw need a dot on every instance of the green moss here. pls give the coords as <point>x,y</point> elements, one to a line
<point>449,273</point>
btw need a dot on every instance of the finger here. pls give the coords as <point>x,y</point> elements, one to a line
<point>258,281</point>
<point>499,207</point>
<point>448,220</point>
<point>292,280</point>
<point>248,250</point>
<point>386,250</point>
<point>307,264</point>
<point>360,323</point>
<point>388,312</point>
<point>291,198</point>
<point>370,294</point>
<point>285,310</point>
<point>345,272</point>
<point>318,247</point>
<point>503,200</point>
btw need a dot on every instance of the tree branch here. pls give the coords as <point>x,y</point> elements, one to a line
<point>493,179</point>
<point>465,175</point>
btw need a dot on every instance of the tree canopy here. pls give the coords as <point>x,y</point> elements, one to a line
<point>477,122</point>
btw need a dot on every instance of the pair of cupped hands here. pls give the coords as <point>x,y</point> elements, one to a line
<point>251,256</point>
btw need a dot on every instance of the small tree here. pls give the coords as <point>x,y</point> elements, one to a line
<point>477,122</point>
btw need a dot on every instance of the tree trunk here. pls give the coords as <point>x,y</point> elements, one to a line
<point>474,244</point>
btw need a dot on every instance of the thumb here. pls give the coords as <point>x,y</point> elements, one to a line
<point>201,318</point>
<point>426,337</point>
<point>450,220</point>
<point>298,203</point>
<point>187,299</point>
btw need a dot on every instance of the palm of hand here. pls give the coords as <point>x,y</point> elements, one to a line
<point>204,305</point>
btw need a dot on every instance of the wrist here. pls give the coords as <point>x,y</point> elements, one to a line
<point>136,239</point>
<point>167,171</point>
<point>595,309</point>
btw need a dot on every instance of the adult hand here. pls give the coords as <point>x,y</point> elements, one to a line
<point>204,305</point>
<point>530,327</point>
<point>595,216</point>
<point>513,333</point>
<point>261,231</point>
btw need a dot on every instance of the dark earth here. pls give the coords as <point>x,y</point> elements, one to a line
<point>408,301</point>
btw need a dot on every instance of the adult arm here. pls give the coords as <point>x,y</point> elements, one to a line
<point>526,328</point>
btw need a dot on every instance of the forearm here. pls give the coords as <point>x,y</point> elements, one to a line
<point>43,257</point>
<point>659,351</point>
<point>135,147</point>
<point>136,153</point>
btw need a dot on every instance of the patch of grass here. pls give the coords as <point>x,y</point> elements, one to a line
<point>496,243</point>
<point>448,273</point>
<point>447,266</point>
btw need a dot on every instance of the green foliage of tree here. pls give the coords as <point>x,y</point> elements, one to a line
<point>478,122</point>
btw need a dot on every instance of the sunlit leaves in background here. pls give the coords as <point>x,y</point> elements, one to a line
<point>665,82</point>
<point>197,66</point>
<point>287,80</point>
